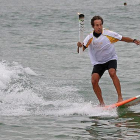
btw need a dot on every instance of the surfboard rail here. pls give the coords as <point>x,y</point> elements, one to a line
<point>129,102</point>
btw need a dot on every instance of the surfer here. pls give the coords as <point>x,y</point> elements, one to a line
<point>100,44</point>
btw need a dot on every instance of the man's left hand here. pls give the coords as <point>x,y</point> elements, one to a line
<point>137,42</point>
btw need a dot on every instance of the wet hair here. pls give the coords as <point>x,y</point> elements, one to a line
<point>96,18</point>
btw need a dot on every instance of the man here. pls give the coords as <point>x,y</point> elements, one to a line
<point>100,44</point>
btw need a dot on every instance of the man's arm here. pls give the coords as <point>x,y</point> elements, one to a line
<point>127,39</point>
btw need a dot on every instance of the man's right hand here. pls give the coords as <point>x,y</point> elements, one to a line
<point>79,44</point>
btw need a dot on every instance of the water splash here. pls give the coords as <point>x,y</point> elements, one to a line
<point>19,96</point>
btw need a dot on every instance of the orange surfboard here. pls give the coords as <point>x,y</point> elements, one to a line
<point>129,102</point>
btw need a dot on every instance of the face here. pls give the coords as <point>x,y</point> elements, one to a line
<point>98,26</point>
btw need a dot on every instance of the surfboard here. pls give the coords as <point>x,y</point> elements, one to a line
<point>125,103</point>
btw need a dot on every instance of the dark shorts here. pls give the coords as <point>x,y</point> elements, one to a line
<point>101,68</point>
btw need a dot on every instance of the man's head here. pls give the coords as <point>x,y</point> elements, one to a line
<point>97,24</point>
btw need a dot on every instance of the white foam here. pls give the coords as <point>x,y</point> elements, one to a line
<point>5,75</point>
<point>30,71</point>
<point>64,101</point>
<point>16,92</point>
<point>2,85</point>
<point>9,71</point>
<point>86,109</point>
<point>20,97</point>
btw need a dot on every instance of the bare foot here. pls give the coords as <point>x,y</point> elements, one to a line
<point>102,105</point>
<point>120,99</point>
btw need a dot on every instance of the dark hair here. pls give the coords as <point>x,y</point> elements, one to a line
<point>96,18</point>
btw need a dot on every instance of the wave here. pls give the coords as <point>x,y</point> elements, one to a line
<point>19,96</point>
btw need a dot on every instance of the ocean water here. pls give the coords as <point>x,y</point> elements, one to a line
<point>45,86</point>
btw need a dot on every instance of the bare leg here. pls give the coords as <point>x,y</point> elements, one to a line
<point>95,83</point>
<point>116,82</point>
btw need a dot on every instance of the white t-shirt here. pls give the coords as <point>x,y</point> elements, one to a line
<point>101,49</point>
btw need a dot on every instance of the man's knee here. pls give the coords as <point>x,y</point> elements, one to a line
<point>112,73</point>
<point>95,79</point>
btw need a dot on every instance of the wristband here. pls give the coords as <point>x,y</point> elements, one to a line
<point>84,46</point>
<point>134,40</point>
